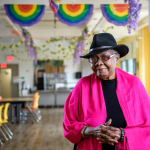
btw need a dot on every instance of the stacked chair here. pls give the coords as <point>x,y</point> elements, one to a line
<point>3,121</point>
<point>32,110</point>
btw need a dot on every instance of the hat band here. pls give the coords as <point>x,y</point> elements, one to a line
<point>97,48</point>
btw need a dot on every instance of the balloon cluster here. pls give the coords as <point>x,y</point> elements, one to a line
<point>134,14</point>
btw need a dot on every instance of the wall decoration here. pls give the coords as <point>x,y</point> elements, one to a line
<point>78,52</point>
<point>54,5</point>
<point>115,13</point>
<point>108,28</point>
<point>62,38</point>
<point>29,45</point>
<point>24,15</point>
<point>44,47</point>
<point>74,14</point>
<point>32,50</point>
<point>134,14</point>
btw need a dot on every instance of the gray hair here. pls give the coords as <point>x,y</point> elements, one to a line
<point>114,51</point>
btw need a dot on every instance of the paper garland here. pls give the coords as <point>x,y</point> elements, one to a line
<point>71,51</point>
<point>74,14</point>
<point>25,15</point>
<point>115,13</point>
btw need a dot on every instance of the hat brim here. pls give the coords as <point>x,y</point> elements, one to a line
<point>121,49</point>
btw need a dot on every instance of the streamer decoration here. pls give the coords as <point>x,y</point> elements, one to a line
<point>54,5</point>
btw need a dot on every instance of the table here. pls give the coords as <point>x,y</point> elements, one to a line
<point>27,96</point>
<point>18,101</point>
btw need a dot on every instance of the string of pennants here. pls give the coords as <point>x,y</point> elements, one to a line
<point>70,14</point>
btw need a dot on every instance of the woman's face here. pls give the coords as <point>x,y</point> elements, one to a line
<point>105,69</point>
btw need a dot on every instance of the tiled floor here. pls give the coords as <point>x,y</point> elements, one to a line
<point>45,135</point>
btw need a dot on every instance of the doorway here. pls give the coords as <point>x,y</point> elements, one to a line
<point>14,86</point>
<point>5,82</point>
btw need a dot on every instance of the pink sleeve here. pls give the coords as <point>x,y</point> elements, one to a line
<point>72,123</point>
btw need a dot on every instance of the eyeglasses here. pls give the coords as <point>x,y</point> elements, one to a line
<point>102,58</point>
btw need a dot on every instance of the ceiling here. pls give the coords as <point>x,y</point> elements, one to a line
<point>48,28</point>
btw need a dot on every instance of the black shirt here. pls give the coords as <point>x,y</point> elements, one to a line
<point>113,108</point>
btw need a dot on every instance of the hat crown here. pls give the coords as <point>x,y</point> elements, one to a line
<point>103,39</point>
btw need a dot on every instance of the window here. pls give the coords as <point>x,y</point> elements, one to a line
<point>123,65</point>
<point>129,66</point>
<point>134,66</point>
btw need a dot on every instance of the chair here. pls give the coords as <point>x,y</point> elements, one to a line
<point>5,120</point>
<point>1,108</point>
<point>32,109</point>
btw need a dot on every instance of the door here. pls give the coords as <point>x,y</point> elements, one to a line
<point>5,83</point>
<point>14,73</point>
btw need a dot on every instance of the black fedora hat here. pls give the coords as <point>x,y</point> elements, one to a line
<point>103,42</point>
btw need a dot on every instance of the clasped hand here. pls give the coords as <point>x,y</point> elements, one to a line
<point>108,135</point>
<point>105,133</point>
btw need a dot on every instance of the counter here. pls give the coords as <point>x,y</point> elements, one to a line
<point>54,98</point>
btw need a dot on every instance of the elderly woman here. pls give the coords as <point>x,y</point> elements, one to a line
<point>109,109</point>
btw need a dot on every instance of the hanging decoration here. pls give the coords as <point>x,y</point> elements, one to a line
<point>108,28</point>
<point>115,13</point>
<point>134,14</point>
<point>40,47</point>
<point>25,15</point>
<point>29,45</point>
<point>65,55</point>
<point>74,14</point>
<point>49,41</point>
<point>65,52</point>
<point>54,5</point>
<point>52,39</point>
<point>78,52</point>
